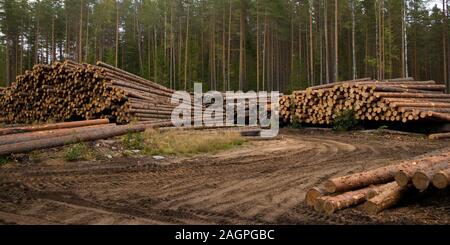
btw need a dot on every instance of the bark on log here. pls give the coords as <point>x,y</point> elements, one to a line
<point>17,130</point>
<point>355,181</point>
<point>24,137</point>
<point>423,177</point>
<point>377,190</point>
<point>412,95</point>
<point>386,199</point>
<point>404,175</point>
<point>108,132</point>
<point>345,200</point>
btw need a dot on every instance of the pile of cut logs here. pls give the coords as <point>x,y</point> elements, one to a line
<point>401,100</point>
<point>381,188</point>
<point>70,91</point>
<point>29,138</point>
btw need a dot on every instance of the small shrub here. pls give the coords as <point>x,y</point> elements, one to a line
<point>345,121</point>
<point>77,152</point>
<point>4,160</point>
<point>133,141</point>
<point>296,122</point>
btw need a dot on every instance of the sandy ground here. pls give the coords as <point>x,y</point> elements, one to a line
<point>262,182</point>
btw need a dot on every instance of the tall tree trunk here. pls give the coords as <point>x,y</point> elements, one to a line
<point>353,41</point>
<point>366,51</point>
<point>139,44</point>
<point>155,55</point>
<point>67,52</point>
<point>186,48</point>
<point>444,42</point>
<point>224,49</point>
<point>8,64</point>
<point>292,52</point>
<point>257,45</point>
<point>80,35</point>
<point>213,52</point>
<point>149,51</point>
<point>311,47</point>
<point>86,55</point>
<point>336,42</point>
<point>53,40</point>
<point>300,53</point>
<point>264,52</point>
<point>320,36</point>
<point>36,45</point>
<point>242,45</point>
<point>229,48</point>
<point>327,65</point>
<point>405,38</point>
<point>117,35</point>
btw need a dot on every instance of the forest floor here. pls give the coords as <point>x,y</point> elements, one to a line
<point>260,182</point>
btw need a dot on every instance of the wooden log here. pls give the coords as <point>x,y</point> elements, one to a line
<point>441,180</point>
<point>313,194</point>
<point>384,88</point>
<point>432,87</point>
<point>16,130</point>
<point>401,79</point>
<point>108,132</point>
<point>124,73</point>
<point>405,173</point>
<point>24,137</point>
<point>423,177</point>
<point>411,95</point>
<point>377,190</point>
<point>337,84</point>
<point>423,105</point>
<point>440,116</point>
<point>345,200</point>
<point>359,180</point>
<point>381,175</point>
<point>384,200</point>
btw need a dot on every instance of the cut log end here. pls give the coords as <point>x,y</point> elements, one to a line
<point>312,195</point>
<point>402,178</point>
<point>330,186</point>
<point>421,181</point>
<point>441,180</point>
<point>319,205</point>
<point>371,208</point>
<point>329,207</point>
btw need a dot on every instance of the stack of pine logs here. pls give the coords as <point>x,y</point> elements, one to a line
<point>398,100</point>
<point>70,91</point>
<point>381,188</point>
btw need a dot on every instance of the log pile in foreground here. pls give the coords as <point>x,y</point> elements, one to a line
<point>401,100</point>
<point>382,188</point>
<point>70,91</point>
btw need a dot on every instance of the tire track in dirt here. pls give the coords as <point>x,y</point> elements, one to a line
<point>263,183</point>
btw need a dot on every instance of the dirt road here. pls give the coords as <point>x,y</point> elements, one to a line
<point>263,182</point>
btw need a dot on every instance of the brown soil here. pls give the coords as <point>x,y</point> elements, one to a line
<point>263,182</point>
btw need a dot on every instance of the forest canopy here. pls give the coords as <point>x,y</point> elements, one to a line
<point>232,44</point>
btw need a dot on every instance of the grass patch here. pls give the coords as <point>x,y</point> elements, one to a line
<point>133,141</point>
<point>345,121</point>
<point>78,152</point>
<point>4,160</point>
<point>190,142</point>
